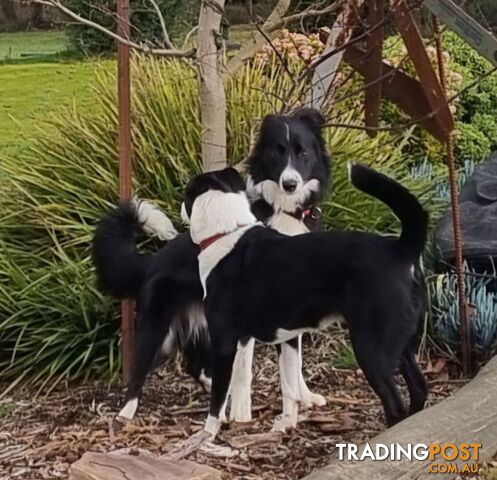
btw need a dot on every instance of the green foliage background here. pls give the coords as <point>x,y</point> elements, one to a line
<point>55,325</point>
<point>179,16</point>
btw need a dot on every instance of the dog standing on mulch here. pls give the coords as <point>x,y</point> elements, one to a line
<point>259,283</point>
<point>288,177</point>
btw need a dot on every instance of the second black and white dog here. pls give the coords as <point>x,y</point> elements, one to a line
<point>288,176</point>
<point>259,283</point>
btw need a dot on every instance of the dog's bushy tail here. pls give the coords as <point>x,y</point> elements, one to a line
<point>121,269</point>
<point>403,203</point>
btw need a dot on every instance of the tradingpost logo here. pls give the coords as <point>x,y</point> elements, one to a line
<point>454,458</point>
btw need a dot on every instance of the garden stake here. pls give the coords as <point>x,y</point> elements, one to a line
<point>464,329</point>
<point>125,168</point>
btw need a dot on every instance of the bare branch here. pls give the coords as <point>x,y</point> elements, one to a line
<point>165,34</point>
<point>188,36</point>
<point>267,31</point>
<point>250,48</point>
<point>307,13</point>
<point>161,52</point>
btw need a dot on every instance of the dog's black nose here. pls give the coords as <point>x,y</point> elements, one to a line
<point>289,185</point>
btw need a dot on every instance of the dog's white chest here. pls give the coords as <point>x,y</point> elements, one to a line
<point>287,225</point>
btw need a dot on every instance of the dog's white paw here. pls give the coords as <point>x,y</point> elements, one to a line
<point>284,423</point>
<point>311,400</point>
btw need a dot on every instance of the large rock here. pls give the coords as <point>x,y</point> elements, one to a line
<point>478,204</point>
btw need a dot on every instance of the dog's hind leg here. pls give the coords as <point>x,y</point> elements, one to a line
<point>416,383</point>
<point>223,355</point>
<point>146,347</point>
<point>290,387</point>
<point>241,382</point>
<point>307,398</point>
<point>155,317</point>
<point>378,363</point>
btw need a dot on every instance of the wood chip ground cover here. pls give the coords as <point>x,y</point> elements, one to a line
<point>40,437</point>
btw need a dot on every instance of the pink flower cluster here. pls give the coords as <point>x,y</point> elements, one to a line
<point>292,46</point>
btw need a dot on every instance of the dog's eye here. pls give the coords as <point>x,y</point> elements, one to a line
<point>281,149</point>
<point>300,151</point>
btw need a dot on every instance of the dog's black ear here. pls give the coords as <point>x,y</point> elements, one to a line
<point>269,121</point>
<point>311,117</point>
<point>233,178</point>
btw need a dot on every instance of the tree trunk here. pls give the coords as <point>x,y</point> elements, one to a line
<point>212,94</point>
<point>470,416</point>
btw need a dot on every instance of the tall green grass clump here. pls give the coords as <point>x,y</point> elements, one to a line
<point>54,324</point>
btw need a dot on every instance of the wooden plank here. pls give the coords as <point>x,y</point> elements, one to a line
<point>466,27</point>
<point>100,466</point>
<point>470,416</point>
<point>417,52</point>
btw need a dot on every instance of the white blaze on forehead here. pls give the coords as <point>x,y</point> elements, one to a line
<point>287,128</point>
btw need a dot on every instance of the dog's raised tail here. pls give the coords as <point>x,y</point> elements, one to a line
<point>403,203</point>
<point>121,269</point>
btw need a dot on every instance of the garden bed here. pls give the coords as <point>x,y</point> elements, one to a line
<point>40,437</point>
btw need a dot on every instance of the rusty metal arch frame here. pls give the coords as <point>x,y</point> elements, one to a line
<point>425,100</point>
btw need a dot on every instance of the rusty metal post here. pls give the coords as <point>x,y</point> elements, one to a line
<point>464,327</point>
<point>427,76</point>
<point>374,66</point>
<point>125,166</point>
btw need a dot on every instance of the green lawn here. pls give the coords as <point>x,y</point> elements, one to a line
<point>41,83</point>
<point>15,46</point>
<point>30,90</point>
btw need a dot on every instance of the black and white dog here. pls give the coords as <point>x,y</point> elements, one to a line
<point>288,176</point>
<point>261,284</point>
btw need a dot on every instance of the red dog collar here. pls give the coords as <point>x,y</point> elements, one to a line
<point>210,240</point>
<point>311,212</point>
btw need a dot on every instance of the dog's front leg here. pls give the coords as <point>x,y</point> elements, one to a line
<point>241,383</point>
<point>307,398</point>
<point>290,388</point>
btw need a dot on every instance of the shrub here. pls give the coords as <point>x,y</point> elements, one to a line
<point>55,325</point>
<point>179,15</point>
<point>445,320</point>
<point>474,110</point>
